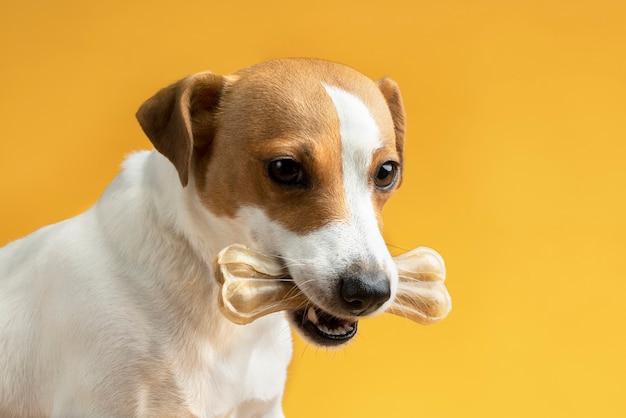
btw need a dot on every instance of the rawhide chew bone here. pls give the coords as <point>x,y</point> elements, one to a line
<point>253,285</point>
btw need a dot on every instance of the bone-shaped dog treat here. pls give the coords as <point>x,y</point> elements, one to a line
<point>254,285</point>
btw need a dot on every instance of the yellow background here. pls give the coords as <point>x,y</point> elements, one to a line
<point>515,173</point>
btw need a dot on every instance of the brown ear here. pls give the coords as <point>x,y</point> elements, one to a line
<point>181,117</point>
<point>391,93</point>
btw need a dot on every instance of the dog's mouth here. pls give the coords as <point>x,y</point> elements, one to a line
<point>324,328</point>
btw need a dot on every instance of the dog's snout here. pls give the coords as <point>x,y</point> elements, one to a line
<point>364,293</point>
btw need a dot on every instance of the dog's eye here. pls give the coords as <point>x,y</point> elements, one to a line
<point>387,175</point>
<point>286,171</point>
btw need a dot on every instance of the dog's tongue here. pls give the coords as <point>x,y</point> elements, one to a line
<point>254,285</point>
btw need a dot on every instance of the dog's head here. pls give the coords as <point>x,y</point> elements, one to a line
<point>303,154</point>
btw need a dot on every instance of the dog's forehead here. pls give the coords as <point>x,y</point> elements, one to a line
<point>295,95</point>
<point>359,131</point>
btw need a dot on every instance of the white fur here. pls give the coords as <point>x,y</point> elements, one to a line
<point>87,302</point>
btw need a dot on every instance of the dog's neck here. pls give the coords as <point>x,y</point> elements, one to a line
<point>169,206</point>
<point>172,238</point>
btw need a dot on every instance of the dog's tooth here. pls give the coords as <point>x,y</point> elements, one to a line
<point>311,315</point>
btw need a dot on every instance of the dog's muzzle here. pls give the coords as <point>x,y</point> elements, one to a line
<point>253,285</point>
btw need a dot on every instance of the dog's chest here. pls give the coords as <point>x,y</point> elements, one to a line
<point>247,372</point>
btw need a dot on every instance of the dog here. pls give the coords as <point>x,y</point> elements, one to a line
<point>113,313</point>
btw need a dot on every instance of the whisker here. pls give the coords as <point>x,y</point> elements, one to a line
<point>305,286</point>
<point>265,279</point>
<point>293,293</point>
<point>404,276</point>
<point>404,314</point>
<point>290,261</point>
<point>416,302</point>
<point>395,247</point>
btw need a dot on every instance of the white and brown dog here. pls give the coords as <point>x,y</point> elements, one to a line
<point>113,313</point>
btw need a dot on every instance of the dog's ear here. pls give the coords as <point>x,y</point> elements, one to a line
<point>181,117</point>
<point>391,93</point>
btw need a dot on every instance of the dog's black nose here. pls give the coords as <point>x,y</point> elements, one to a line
<point>364,293</point>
